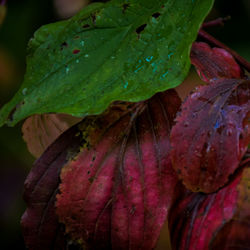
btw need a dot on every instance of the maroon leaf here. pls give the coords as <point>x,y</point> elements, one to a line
<point>216,221</point>
<point>117,193</point>
<point>214,63</point>
<point>40,225</point>
<point>212,134</point>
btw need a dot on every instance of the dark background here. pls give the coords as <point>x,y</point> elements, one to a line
<point>23,18</point>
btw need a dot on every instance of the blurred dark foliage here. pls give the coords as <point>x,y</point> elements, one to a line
<point>22,19</point>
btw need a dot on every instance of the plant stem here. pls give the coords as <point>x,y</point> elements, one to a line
<point>217,22</point>
<point>210,39</point>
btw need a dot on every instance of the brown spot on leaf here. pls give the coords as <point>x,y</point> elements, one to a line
<point>76,51</point>
<point>141,28</point>
<point>156,15</point>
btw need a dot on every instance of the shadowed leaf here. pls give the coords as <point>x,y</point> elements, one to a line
<point>214,63</point>
<point>121,50</point>
<point>41,229</point>
<point>39,131</point>
<point>235,234</point>
<point>116,194</point>
<point>211,134</point>
<point>216,221</point>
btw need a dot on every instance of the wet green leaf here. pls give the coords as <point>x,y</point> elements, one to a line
<point>121,50</point>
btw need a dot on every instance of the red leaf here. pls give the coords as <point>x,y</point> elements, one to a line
<point>40,225</point>
<point>214,63</point>
<point>116,195</point>
<point>212,134</point>
<point>216,221</point>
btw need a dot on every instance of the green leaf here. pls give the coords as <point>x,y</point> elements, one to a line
<point>121,50</point>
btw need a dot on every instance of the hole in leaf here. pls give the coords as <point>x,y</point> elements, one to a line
<point>64,45</point>
<point>141,28</point>
<point>93,18</point>
<point>10,116</point>
<point>86,26</point>
<point>156,15</point>
<point>124,7</point>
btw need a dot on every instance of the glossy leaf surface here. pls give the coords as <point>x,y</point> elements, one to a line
<point>215,221</point>
<point>211,134</point>
<point>116,194</point>
<point>214,63</point>
<point>121,50</point>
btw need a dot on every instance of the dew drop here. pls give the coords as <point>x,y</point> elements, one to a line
<point>194,115</point>
<point>198,154</point>
<point>67,70</point>
<point>77,61</point>
<point>170,55</point>
<point>24,91</point>
<point>208,148</point>
<point>86,55</point>
<point>217,124</point>
<point>82,43</point>
<point>229,132</point>
<point>149,58</point>
<point>125,85</point>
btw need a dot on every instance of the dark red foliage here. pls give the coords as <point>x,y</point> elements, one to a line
<point>111,181</point>
<point>41,229</point>
<point>117,191</point>
<point>216,221</point>
<point>214,63</point>
<point>212,134</point>
<point>117,194</point>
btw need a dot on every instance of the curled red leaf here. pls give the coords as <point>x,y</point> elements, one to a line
<point>215,221</point>
<point>41,229</point>
<point>214,63</point>
<point>117,193</point>
<point>211,134</point>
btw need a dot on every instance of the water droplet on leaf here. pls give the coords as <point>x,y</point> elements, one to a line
<point>24,91</point>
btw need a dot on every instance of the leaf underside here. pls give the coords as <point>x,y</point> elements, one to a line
<point>121,50</point>
<point>39,131</point>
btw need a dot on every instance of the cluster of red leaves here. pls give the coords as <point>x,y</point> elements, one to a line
<point>111,181</point>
